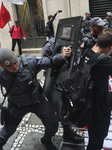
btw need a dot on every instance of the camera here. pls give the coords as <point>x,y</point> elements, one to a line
<point>59,11</point>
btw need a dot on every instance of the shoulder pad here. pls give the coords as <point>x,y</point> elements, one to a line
<point>89,35</point>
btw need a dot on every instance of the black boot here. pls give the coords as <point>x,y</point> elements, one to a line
<point>72,137</point>
<point>68,134</point>
<point>48,144</point>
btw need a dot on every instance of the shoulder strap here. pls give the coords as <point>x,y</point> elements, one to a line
<point>45,43</point>
<point>25,64</point>
<point>95,59</point>
<point>12,29</point>
<point>24,60</point>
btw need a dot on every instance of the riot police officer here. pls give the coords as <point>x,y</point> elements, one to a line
<point>108,20</point>
<point>18,76</point>
<point>48,47</point>
<point>87,27</point>
<point>89,39</point>
<point>68,134</point>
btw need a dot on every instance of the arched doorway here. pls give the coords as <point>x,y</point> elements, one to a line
<point>31,19</point>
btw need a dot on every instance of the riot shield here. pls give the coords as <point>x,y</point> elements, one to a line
<point>68,32</point>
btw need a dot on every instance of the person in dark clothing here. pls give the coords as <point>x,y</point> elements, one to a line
<point>68,134</point>
<point>108,19</point>
<point>98,127</point>
<point>50,25</point>
<point>18,76</point>
<point>87,27</point>
<point>16,32</point>
<point>48,47</point>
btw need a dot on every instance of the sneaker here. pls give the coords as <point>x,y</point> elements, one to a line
<point>74,138</point>
<point>48,144</point>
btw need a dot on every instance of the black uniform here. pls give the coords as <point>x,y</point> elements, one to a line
<point>48,48</point>
<point>88,40</point>
<point>68,135</point>
<point>87,26</point>
<point>98,128</point>
<point>22,97</point>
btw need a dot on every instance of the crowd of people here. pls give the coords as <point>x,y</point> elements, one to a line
<point>18,76</point>
<point>96,34</point>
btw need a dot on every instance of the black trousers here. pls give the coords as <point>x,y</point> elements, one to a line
<point>43,110</point>
<point>98,130</point>
<point>19,45</point>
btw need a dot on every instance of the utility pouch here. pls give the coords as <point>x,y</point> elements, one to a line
<point>4,115</point>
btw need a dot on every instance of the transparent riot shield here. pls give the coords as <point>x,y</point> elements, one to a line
<point>68,32</point>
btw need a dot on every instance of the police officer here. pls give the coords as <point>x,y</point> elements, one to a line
<point>18,76</point>
<point>87,19</point>
<point>68,134</point>
<point>48,47</point>
<point>108,20</point>
<point>89,39</point>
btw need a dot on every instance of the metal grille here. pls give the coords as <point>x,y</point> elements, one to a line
<point>38,16</point>
<point>31,18</point>
<point>24,18</point>
<point>99,8</point>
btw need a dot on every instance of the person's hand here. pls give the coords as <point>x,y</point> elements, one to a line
<point>57,12</point>
<point>66,52</point>
<point>24,38</point>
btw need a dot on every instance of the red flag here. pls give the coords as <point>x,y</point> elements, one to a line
<point>4,16</point>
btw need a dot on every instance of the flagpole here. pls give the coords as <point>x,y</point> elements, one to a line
<point>9,25</point>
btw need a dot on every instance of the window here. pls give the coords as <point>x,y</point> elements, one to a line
<point>66,33</point>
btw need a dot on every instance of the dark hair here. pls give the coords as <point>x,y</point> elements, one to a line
<point>16,21</point>
<point>49,17</point>
<point>105,38</point>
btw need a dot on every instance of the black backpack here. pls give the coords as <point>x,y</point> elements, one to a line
<point>79,91</point>
<point>47,30</point>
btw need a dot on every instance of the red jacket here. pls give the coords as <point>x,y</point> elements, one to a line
<point>16,34</point>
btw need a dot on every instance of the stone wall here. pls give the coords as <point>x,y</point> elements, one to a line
<point>70,8</point>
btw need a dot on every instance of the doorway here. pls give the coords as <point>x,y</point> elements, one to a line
<point>31,18</point>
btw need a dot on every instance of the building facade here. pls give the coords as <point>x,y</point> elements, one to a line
<point>33,17</point>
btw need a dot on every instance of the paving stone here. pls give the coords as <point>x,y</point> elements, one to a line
<point>10,142</point>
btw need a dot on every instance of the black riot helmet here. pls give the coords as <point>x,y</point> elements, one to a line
<point>7,57</point>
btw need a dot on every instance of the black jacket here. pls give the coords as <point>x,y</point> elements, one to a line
<point>50,24</point>
<point>100,75</point>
